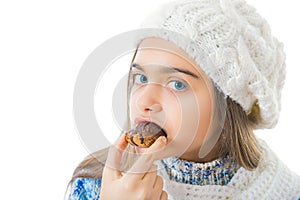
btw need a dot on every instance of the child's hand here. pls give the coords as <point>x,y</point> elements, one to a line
<point>140,182</point>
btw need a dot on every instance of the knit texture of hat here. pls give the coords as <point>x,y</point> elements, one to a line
<point>248,62</point>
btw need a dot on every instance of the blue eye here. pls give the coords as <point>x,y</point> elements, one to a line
<point>176,85</point>
<point>139,78</point>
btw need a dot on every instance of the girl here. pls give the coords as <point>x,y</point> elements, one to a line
<point>208,91</point>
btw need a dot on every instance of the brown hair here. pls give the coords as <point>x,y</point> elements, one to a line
<point>237,140</point>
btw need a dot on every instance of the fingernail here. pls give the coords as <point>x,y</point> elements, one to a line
<point>164,139</point>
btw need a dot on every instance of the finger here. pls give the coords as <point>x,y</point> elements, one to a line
<point>150,177</point>
<point>159,183</point>
<point>157,189</point>
<point>113,161</point>
<point>145,161</point>
<point>116,150</point>
<point>157,146</point>
<point>164,196</point>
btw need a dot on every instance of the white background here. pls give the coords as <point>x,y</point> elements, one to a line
<point>42,47</point>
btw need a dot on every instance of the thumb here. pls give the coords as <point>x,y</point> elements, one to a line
<point>156,148</point>
<point>160,143</point>
<point>146,159</point>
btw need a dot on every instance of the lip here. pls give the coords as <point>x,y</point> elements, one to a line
<point>145,119</point>
<point>141,119</point>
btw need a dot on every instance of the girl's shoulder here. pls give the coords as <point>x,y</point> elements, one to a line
<point>84,189</point>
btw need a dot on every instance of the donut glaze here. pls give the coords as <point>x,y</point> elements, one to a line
<point>144,135</point>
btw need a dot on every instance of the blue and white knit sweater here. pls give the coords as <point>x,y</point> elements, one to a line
<point>219,179</point>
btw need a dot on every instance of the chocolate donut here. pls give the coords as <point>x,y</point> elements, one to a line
<point>145,134</point>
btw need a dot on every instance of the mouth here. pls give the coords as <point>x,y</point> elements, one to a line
<point>145,133</point>
<point>157,124</point>
<point>138,121</point>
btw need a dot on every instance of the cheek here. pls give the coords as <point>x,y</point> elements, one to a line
<point>132,108</point>
<point>204,105</point>
<point>205,109</point>
<point>132,105</point>
<point>183,118</point>
<point>173,111</point>
<point>192,121</point>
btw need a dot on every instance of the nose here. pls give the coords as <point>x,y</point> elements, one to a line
<point>149,99</point>
<point>150,108</point>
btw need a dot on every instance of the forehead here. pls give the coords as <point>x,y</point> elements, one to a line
<point>157,51</point>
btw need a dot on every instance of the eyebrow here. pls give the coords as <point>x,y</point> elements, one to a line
<point>169,70</point>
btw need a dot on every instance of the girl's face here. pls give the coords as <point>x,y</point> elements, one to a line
<point>169,89</point>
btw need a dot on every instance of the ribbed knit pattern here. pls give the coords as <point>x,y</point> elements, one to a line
<point>271,180</point>
<point>232,44</point>
<point>216,172</point>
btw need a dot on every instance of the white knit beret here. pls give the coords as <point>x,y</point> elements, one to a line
<point>248,62</point>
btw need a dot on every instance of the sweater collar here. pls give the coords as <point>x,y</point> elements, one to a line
<point>216,172</point>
